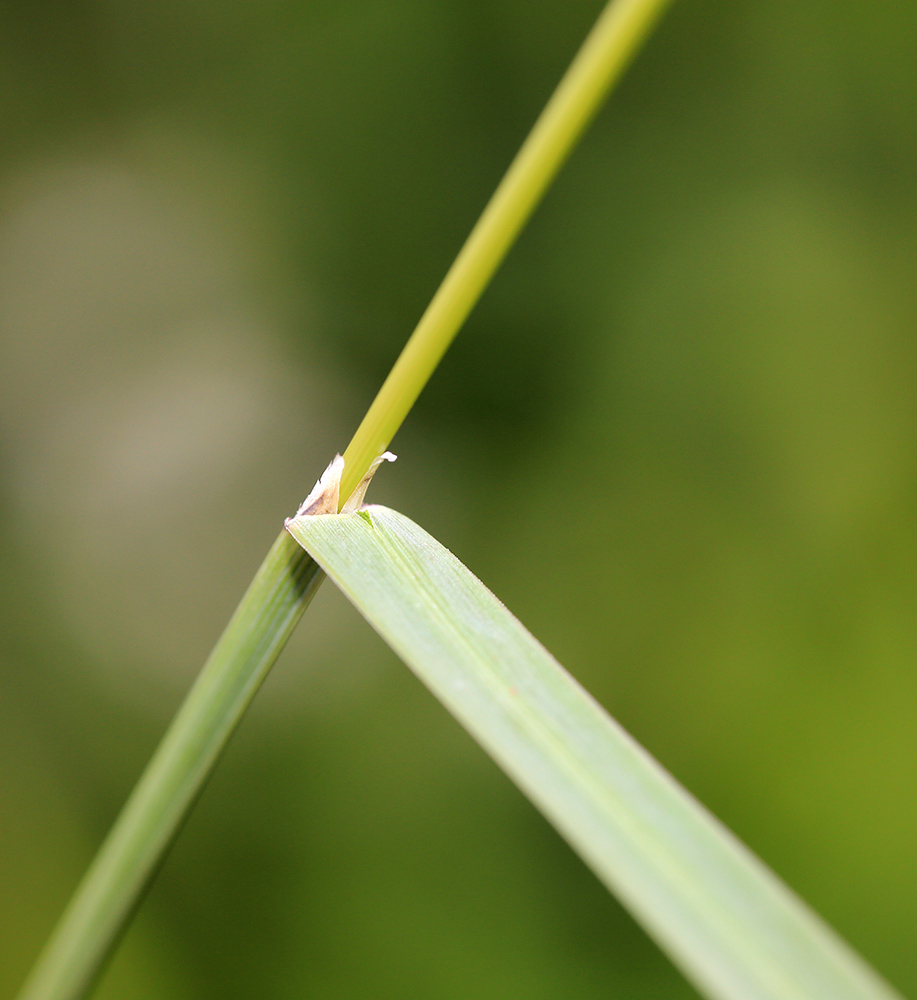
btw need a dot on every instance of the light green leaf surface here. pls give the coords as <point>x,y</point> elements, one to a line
<point>731,926</point>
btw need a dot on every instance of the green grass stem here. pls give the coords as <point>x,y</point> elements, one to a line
<point>287,579</point>
<point>110,889</point>
<point>601,59</point>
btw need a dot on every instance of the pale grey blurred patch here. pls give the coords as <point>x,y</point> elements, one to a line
<point>142,393</point>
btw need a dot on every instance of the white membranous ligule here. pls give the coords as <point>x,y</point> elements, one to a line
<point>355,501</point>
<point>325,497</point>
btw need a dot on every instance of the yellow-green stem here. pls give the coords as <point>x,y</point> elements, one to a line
<point>603,56</point>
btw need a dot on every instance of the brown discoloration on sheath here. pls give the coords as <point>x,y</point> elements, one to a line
<point>325,497</point>
<point>326,494</point>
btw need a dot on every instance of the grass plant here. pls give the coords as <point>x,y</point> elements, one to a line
<point>729,924</point>
<point>287,579</point>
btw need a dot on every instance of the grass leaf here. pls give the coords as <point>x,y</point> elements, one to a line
<point>731,926</point>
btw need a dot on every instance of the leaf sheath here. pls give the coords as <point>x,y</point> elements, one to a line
<point>112,886</point>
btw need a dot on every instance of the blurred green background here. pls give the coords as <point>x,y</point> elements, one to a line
<point>678,438</point>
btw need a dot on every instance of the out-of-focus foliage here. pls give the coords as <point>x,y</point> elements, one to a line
<point>218,223</point>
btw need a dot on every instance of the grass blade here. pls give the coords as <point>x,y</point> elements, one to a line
<point>731,926</point>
